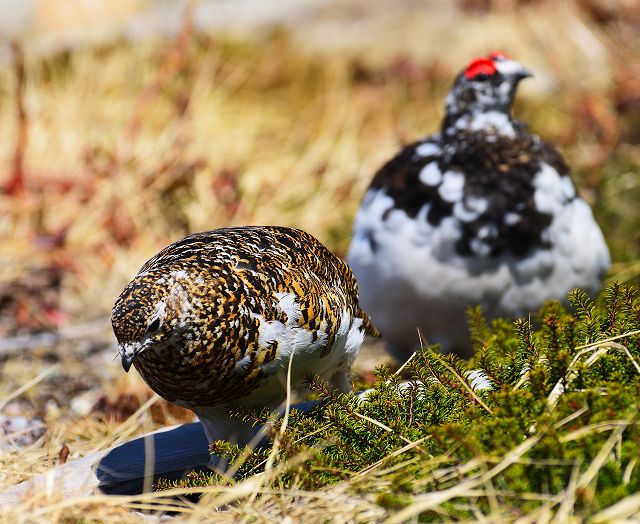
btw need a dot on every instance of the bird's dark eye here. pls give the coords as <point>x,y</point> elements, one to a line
<point>154,326</point>
<point>481,76</point>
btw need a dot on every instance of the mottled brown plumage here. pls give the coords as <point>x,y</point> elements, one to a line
<point>214,318</point>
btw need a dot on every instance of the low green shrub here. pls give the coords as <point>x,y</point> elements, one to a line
<point>554,425</point>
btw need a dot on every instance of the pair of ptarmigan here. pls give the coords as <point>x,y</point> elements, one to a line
<point>481,213</point>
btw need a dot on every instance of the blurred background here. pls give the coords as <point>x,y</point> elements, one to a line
<point>127,124</point>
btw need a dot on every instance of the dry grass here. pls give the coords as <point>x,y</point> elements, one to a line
<point>129,147</point>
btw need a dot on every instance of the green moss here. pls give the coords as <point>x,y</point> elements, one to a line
<point>393,501</point>
<point>549,392</point>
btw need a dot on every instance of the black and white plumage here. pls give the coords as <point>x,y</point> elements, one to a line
<point>213,320</point>
<point>482,213</point>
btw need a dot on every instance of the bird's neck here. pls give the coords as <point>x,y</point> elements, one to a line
<point>495,122</point>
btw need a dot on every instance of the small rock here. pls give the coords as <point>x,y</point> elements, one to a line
<point>82,405</point>
<point>20,432</point>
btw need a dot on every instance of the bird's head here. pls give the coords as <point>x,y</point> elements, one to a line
<point>487,84</point>
<point>152,314</point>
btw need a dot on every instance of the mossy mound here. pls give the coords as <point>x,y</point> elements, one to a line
<point>554,427</point>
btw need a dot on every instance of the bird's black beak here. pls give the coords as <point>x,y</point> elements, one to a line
<point>523,73</point>
<point>127,360</point>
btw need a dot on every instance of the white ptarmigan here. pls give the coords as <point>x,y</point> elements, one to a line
<point>214,319</point>
<point>482,213</point>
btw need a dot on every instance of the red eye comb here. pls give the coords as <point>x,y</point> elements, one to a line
<point>478,66</point>
<point>498,54</point>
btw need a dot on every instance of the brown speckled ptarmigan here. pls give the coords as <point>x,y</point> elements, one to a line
<point>482,213</point>
<point>212,321</point>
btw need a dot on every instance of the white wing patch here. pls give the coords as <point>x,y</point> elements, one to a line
<point>550,190</point>
<point>452,186</point>
<point>427,149</point>
<point>568,189</point>
<point>290,337</point>
<point>430,174</point>
<point>511,218</point>
<point>470,208</point>
<point>298,344</point>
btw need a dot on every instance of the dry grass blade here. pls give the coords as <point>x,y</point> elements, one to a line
<point>492,497</point>
<point>466,385</point>
<point>524,378</point>
<point>391,455</point>
<point>626,476</point>
<point>599,349</point>
<point>571,417</point>
<point>433,500</point>
<point>248,489</point>
<point>618,337</point>
<point>571,373</point>
<point>378,424</point>
<point>173,63</point>
<point>594,428</point>
<point>603,455</point>
<point>568,499</point>
<point>16,184</point>
<point>622,349</point>
<point>544,513</point>
<point>285,421</point>
<point>28,385</point>
<point>625,510</point>
<point>422,503</point>
<point>406,362</point>
<point>128,427</point>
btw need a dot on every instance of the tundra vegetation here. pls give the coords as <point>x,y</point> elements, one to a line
<point>110,153</point>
